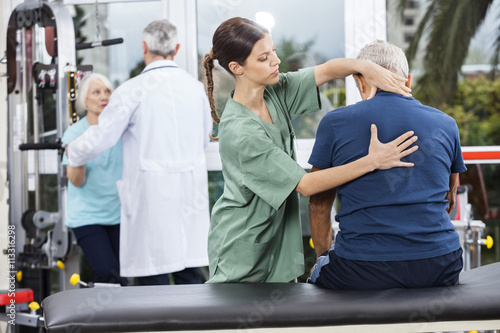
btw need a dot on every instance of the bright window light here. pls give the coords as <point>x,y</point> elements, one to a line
<point>265,19</point>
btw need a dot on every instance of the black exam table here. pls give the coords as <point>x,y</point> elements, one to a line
<point>279,307</point>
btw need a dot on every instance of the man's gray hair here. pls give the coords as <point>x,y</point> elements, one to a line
<point>160,37</point>
<point>386,55</point>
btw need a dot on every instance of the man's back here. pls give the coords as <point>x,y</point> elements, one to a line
<point>396,214</point>
<point>170,121</point>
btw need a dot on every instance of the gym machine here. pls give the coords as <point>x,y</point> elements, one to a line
<point>42,80</point>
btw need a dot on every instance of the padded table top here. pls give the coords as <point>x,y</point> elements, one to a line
<point>239,306</point>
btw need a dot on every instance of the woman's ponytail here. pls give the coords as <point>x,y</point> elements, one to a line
<point>208,63</point>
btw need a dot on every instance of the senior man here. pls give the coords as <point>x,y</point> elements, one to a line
<point>395,229</point>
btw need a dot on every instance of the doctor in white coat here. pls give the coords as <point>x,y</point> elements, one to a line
<point>163,119</point>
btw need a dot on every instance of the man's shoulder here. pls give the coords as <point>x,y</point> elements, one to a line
<point>344,111</point>
<point>437,113</point>
<point>408,102</point>
<point>433,109</point>
<point>162,74</point>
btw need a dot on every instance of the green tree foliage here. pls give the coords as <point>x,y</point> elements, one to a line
<point>450,26</point>
<point>137,69</point>
<point>475,109</point>
<point>292,53</point>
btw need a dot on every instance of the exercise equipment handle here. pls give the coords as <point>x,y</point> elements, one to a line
<point>106,42</point>
<point>113,41</point>
<point>41,146</point>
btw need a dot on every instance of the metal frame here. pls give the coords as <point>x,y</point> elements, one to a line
<point>59,242</point>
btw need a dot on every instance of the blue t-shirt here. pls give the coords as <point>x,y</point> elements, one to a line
<point>396,214</point>
<point>96,201</point>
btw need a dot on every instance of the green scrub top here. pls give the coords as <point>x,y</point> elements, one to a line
<point>255,232</point>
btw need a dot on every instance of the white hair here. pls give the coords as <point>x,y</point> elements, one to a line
<point>160,37</point>
<point>83,89</point>
<point>386,55</point>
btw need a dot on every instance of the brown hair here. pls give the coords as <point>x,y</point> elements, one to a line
<point>232,41</point>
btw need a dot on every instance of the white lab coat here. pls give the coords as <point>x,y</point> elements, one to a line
<point>163,118</point>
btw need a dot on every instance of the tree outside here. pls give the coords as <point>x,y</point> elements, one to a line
<point>448,27</point>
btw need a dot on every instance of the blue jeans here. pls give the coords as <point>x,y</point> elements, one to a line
<point>186,276</point>
<point>101,246</point>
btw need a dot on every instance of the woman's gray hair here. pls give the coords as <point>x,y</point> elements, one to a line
<point>386,55</point>
<point>83,90</point>
<point>160,37</point>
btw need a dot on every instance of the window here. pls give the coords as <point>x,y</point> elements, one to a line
<point>409,21</point>
<point>117,62</point>
<point>408,37</point>
<point>412,4</point>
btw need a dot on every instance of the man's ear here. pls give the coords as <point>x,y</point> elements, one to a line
<point>144,48</point>
<point>359,82</point>
<point>408,83</point>
<point>177,49</point>
<point>235,68</point>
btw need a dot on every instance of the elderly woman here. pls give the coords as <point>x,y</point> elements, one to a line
<point>93,203</point>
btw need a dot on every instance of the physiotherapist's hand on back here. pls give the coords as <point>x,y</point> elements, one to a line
<point>389,155</point>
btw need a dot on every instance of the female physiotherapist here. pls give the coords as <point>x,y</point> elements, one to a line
<point>92,200</point>
<point>255,232</point>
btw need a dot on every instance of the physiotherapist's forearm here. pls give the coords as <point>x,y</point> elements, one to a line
<point>320,210</point>
<point>337,69</point>
<point>99,138</point>
<point>87,146</point>
<point>80,150</point>
<point>326,179</point>
<point>374,74</point>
